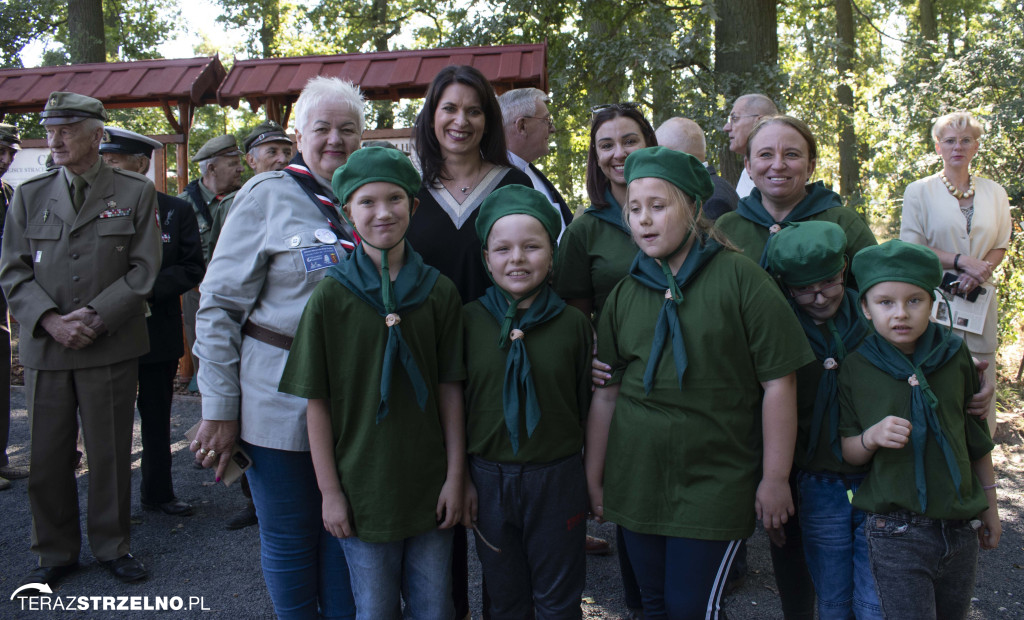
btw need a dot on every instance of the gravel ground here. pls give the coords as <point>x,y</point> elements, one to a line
<point>196,557</point>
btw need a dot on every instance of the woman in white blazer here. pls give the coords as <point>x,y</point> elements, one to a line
<point>965,219</point>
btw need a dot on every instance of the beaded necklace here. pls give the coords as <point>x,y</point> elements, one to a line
<point>952,189</point>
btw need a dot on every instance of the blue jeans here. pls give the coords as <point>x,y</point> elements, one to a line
<point>835,547</point>
<point>303,566</point>
<point>680,578</point>
<point>416,569</point>
<point>925,568</point>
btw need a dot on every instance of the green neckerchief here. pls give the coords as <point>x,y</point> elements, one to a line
<point>846,330</point>
<point>649,272</point>
<point>411,288</point>
<point>934,348</point>
<point>611,214</point>
<point>819,198</point>
<point>545,307</point>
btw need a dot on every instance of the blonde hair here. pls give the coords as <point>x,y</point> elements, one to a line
<point>701,225</point>
<point>957,121</point>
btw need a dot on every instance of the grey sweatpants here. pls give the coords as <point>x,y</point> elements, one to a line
<point>536,515</point>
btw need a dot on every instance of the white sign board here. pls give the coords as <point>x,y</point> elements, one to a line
<point>32,162</point>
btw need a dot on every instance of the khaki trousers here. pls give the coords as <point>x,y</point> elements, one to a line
<point>104,399</point>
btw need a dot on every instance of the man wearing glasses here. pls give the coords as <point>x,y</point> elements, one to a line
<point>746,111</point>
<point>528,126</point>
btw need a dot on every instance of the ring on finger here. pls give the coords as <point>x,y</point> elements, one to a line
<point>211,454</point>
<point>203,451</point>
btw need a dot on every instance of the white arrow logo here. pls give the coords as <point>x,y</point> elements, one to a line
<point>44,588</point>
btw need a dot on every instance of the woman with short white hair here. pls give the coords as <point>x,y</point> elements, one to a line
<point>965,219</point>
<point>281,235</point>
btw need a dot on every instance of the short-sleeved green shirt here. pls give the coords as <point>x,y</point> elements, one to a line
<point>868,394</point>
<point>392,472</point>
<point>824,460</point>
<point>687,462</point>
<point>560,360</point>
<point>751,238</point>
<point>592,257</point>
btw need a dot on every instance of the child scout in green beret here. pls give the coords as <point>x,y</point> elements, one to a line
<point>809,261</point>
<point>378,353</point>
<point>903,398</point>
<point>527,394</point>
<point>703,349</point>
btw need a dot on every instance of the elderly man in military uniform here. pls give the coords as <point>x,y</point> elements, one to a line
<point>220,169</point>
<point>10,144</point>
<point>268,148</point>
<point>181,269</point>
<point>80,255</point>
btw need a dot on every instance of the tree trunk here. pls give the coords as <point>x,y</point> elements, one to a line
<point>929,26</point>
<point>849,167</point>
<point>746,59</point>
<point>270,27</point>
<point>86,38</point>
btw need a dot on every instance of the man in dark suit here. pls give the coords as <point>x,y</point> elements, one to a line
<point>181,269</point>
<point>682,134</point>
<point>81,251</point>
<point>10,144</point>
<point>528,127</point>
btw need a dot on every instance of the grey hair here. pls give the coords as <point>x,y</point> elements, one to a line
<point>958,121</point>
<point>203,166</point>
<point>321,89</point>
<point>520,102</point>
<point>92,124</point>
<point>759,103</point>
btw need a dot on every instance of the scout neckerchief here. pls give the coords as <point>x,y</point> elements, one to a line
<point>545,307</point>
<point>819,198</point>
<point>648,272</point>
<point>324,200</point>
<point>411,288</point>
<point>846,330</point>
<point>196,194</point>
<point>934,348</point>
<point>611,214</point>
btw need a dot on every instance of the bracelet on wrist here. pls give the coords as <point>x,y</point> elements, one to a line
<point>862,444</point>
<point>956,262</point>
<point>988,487</point>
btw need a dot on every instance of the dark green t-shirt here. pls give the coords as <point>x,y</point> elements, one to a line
<point>687,462</point>
<point>868,394</point>
<point>593,256</point>
<point>560,359</point>
<point>750,237</point>
<point>823,460</point>
<point>391,472</point>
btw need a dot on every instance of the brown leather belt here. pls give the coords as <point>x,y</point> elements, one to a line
<point>268,336</point>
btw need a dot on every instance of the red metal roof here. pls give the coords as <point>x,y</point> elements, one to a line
<point>383,75</point>
<point>140,83</point>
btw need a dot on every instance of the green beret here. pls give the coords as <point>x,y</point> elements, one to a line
<point>517,199</point>
<point>9,137</point>
<point>220,146</point>
<point>117,140</point>
<point>372,165</point>
<point>897,261</point>
<point>807,252</point>
<point>680,169</point>
<point>268,131</point>
<point>66,108</point>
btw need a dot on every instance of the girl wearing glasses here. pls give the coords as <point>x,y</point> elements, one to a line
<point>965,220</point>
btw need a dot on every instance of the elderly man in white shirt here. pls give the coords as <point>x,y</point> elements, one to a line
<point>528,126</point>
